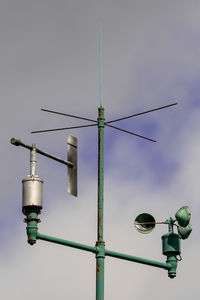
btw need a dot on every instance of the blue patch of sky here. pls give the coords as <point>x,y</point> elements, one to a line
<point>162,168</point>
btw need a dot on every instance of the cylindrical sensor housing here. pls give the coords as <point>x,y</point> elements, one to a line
<point>171,244</point>
<point>32,192</point>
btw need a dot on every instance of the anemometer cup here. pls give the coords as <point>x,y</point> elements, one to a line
<point>144,223</point>
<point>183,216</point>
<point>184,232</point>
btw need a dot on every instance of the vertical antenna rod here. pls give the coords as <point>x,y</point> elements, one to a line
<point>100,62</point>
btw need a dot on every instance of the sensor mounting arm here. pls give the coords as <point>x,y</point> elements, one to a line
<point>18,142</point>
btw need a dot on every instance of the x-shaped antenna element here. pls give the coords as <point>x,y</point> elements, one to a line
<point>142,113</point>
<point>106,123</point>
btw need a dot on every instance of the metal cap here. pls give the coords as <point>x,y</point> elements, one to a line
<point>15,141</point>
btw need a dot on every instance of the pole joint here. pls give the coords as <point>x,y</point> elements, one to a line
<point>100,249</point>
<point>100,243</point>
<point>101,119</point>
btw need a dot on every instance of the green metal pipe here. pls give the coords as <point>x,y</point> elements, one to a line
<point>100,272</point>
<point>65,242</point>
<point>100,173</point>
<point>100,242</point>
<point>100,278</point>
<point>140,260</point>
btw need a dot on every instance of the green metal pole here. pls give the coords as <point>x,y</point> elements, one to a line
<point>100,242</point>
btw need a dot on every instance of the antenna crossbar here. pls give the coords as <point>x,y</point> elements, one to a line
<point>142,113</point>
<point>132,133</point>
<point>65,128</point>
<point>68,115</point>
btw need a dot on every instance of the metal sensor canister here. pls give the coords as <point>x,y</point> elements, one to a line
<point>32,192</point>
<point>171,243</point>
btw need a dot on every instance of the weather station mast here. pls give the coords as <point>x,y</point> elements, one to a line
<point>32,199</point>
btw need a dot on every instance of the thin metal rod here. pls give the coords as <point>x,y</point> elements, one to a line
<point>18,142</point>
<point>57,129</point>
<point>65,242</point>
<point>142,113</point>
<point>138,135</point>
<point>100,62</point>
<point>68,115</point>
<point>138,223</point>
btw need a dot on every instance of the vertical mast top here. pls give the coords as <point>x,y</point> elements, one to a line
<point>100,61</point>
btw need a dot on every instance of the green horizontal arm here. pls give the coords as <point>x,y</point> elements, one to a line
<point>140,260</point>
<point>65,243</point>
<point>170,265</point>
<point>119,255</point>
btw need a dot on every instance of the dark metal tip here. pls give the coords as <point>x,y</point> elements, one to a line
<point>31,241</point>
<point>15,141</point>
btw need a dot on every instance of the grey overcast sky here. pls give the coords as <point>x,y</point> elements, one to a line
<point>49,58</point>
